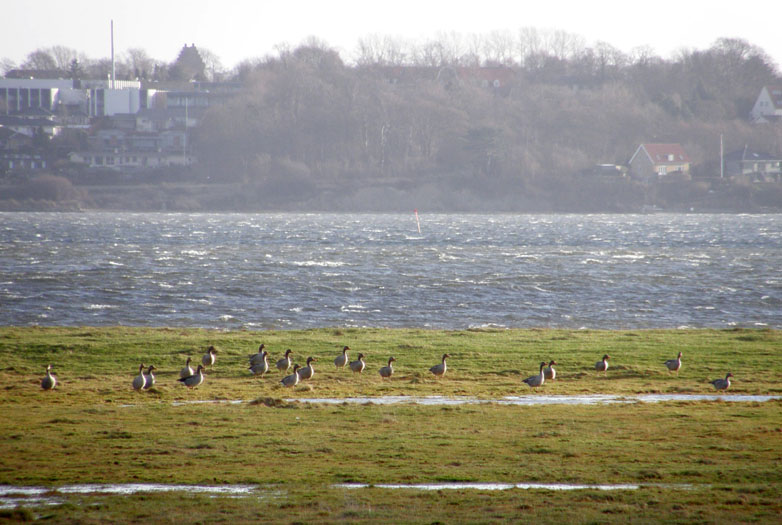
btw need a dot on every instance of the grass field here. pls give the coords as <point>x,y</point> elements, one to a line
<point>695,462</point>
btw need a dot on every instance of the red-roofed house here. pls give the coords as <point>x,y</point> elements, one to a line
<point>659,160</point>
<point>768,106</point>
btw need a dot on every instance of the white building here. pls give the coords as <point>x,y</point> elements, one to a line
<point>97,98</point>
<point>20,94</point>
<point>768,106</point>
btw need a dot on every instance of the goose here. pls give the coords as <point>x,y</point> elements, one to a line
<point>150,378</point>
<point>259,357</point>
<point>388,370</point>
<point>262,366</point>
<point>342,359</point>
<point>307,372</point>
<point>674,364</point>
<point>209,357</point>
<point>358,366</point>
<point>195,379</point>
<point>187,371</point>
<point>722,384</point>
<point>140,381</point>
<point>285,363</point>
<point>550,373</point>
<point>539,379</point>
<point>439,370</point>
<point>49,382</point>
<point>293,379</point>
<point>602,366</point>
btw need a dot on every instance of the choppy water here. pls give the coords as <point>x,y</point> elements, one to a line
<point>260,271</point>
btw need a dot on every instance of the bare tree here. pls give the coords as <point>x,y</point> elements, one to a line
<point>39,59</point>
<point>139,63</point>
<point>214,67</point>
<point>6,65</point>
<point>63,56</point>
<point>381,51</point>
<point>498,48</point>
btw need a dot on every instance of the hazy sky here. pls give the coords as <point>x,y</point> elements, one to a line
<point>235,30</point>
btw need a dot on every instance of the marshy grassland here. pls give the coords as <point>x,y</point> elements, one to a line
<point>694,461</point>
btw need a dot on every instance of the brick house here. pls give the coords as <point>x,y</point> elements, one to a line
<point>659,161</point>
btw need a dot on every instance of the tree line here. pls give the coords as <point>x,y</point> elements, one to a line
<point>405,121</point>
<point>306,120</point>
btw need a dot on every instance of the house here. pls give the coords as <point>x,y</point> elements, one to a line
<point>659,160</point>
<point>768,106</point>
<point>753,165</point>
<point>21,161</point>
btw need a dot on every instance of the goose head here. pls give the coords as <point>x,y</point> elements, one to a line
<point>288,352</point>
<point>606,357</point>
<point>311,360</point>
<point>391,359</point>
<point>552,363</point>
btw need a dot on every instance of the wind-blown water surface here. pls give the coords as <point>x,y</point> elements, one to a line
<point>260,271</point>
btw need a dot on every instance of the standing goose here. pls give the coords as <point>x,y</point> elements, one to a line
<point>602,366</point>
<point>539,379</point>
<point>285,363</point>
<point>150,378</point>
<point>439,370</point>
<point>187,371</point>
<point>49,382</point>
<point>195,379</point>
<point>262,366</point>
<point>140,381</point>
<point>342,359</point>
<point>722,384</point>
<point>674,364</point>
<point>307,372</point>
<point>388,370</point>
<point>209,357</point>
<point>358,366</point>
<point>293,379</point>
<point>258,358</point>
<point>550,373</point>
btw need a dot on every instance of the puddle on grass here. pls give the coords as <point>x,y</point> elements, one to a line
<point>504,486</point>
<point>12,497</point>
<point>595,399</point>
<point>527,400</point>
<point>135,488</point>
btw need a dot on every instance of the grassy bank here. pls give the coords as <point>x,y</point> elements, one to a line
<point>94,428</point>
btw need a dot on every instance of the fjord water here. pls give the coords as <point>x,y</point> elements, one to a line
<point>259,271</point>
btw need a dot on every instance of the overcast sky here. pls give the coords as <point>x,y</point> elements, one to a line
<point>236,30</point>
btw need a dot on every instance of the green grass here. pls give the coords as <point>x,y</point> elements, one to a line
<point>95,429</point>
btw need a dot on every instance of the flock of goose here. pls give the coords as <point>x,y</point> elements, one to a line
<point>259,365</point>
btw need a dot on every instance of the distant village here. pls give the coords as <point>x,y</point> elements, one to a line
<point>139,126</point>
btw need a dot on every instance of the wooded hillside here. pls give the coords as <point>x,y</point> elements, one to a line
<point>397,132</point>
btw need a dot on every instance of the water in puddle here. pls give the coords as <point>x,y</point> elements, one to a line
<point>11,496</point>
<point>539,399</point>
<point>503,486</point>
<point>590,399</point>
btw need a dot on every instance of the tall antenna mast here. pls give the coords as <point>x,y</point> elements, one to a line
<point>112,54</point>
